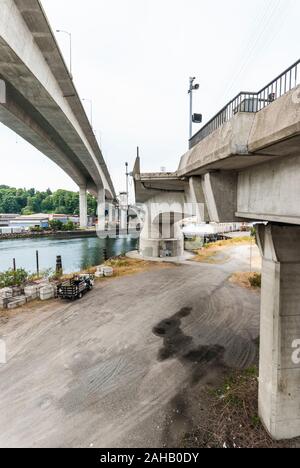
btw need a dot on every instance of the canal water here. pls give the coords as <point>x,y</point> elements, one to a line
<point>77,254</point>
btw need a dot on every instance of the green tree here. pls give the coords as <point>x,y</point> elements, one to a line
<point>56,225</point>
<point>31,201</point>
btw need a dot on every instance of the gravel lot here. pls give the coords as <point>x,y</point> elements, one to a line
<point>124,366</point>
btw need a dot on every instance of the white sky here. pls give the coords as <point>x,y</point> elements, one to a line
<point>133,58</point>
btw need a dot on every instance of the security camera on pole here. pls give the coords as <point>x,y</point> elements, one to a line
<point>194,118</point>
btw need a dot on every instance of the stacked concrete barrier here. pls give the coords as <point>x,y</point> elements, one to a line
<point>47,292</point>
<point>15,302</point>
<point>31,292</point>
<point>13,297</point>
<point>5,295</point>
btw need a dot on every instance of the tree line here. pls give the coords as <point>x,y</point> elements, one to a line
<point>27,202</point>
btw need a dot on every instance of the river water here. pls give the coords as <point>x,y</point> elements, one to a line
<point>77,254</point>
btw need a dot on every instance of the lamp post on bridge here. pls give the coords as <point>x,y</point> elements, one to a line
<point>193,118</point>
<point>127,194</point>
<point>62,31</point>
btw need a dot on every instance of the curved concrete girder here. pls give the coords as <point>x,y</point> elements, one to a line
<point>31,61</point>
<point>13,115</point>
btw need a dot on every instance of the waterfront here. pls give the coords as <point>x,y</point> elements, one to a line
<point>77,254</point>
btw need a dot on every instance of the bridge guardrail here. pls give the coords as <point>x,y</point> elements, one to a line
<point>251,102</point>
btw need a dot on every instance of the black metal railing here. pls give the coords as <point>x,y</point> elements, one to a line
<point>251,102</point>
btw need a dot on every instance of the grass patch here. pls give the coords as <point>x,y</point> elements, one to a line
<point>231,242</point>
<point>247,280</point>
<point>255,280</point>
<point>233,420</point>
<point>209,252</point>
<point>124,266</point>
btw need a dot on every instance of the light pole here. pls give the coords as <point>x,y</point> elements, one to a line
<point>193,87</point>
<point>127,192</point>
<point>70,43</point>
<point>91,106</point>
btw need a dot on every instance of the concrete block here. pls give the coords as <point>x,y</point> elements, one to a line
<point>31,298</point>
<point>6,292</point>
<point>31,291</point>
<point>16,302</point>
<point>108,272</point>
<point>3,302</point>
<point>16,291</point>
<point>47,292</point>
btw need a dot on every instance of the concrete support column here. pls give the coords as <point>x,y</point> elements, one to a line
<point>162,237</point>
<point>161,234</point>
<point>279,381</point>
<point>83,208</point>
<point>220,192</point>
<point>101,209</point>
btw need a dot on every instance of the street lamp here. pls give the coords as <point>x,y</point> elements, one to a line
<point>91,106</point>
<point>193,87</point>
<point>70,40</point>
<point>127,192</point>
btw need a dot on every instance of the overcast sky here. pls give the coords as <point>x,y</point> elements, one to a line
<point>133,58</point>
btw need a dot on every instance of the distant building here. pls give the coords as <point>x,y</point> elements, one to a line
<point>40,220</point>
<point>30,221</point>
<point>59,217</point>
<point>76,220</point>
<point>5,219</point>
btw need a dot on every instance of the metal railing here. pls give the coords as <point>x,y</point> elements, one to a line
<point>251,102</point>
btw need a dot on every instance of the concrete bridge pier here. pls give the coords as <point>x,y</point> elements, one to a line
<point>161,234</point>
<point>163,237</point>
<point>101,209</point>
<point>279,381</point>
<point>83,208</point>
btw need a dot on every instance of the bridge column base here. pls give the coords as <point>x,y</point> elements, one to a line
<point>83,208</point>
<point>161,240</point>
<point>279,380</point>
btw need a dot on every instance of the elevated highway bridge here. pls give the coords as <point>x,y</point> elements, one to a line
<point>244,164</point>
<point>40,103</point>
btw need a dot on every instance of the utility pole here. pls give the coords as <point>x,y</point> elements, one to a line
<point>192,87</point>
<point>127,194</point>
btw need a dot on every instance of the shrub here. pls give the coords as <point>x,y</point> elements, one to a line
<point>13,278</point>
<point>69,226</point>
<point>255,280</point>
<point>56,225</point>
<point>119,262</point>
<point>36,229</point>
<point>47,273</point>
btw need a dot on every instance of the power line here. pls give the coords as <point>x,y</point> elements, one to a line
<point>261,28</point>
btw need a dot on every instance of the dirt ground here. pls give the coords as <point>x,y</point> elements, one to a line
<point>128,365</point>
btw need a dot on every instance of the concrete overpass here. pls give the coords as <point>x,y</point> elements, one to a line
<point>245,165</point>
<point>40,102</point>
